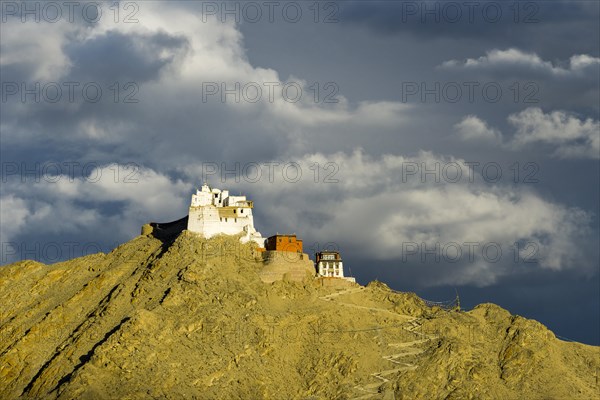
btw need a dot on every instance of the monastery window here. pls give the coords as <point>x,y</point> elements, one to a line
<point>242,210</point>
<point>225,219</point>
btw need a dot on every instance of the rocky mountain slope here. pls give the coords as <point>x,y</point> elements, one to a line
<point>182,317</point>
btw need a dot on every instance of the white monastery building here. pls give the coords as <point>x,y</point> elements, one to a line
<point>214,211</point>
<point>329,263</point>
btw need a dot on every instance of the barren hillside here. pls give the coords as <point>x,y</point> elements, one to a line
<point>187,318</point>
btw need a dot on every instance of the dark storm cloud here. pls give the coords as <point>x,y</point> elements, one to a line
<point>116,56</point>
<point>568,83</point>
<point>17,72</point>
<point>118,64</point>
<point>504,23</point>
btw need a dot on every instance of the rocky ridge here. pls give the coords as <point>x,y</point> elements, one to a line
<point>182,317</point>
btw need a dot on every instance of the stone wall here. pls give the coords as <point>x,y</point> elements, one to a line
<point>283,265</point>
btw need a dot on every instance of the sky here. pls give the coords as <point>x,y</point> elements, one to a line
<point>441,147</point>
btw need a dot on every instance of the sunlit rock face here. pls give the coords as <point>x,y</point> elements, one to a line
<point>182,316</point>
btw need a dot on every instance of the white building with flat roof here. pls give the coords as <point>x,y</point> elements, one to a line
<point>329,264</point>
<point>213,212</point>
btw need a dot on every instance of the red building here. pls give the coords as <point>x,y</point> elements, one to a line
<point>284,243</point>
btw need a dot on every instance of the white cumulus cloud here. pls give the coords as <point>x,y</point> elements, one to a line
<point>570,136</point>
<point>573,137</point>
<point>471,128</point>
<point>517,58</point>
